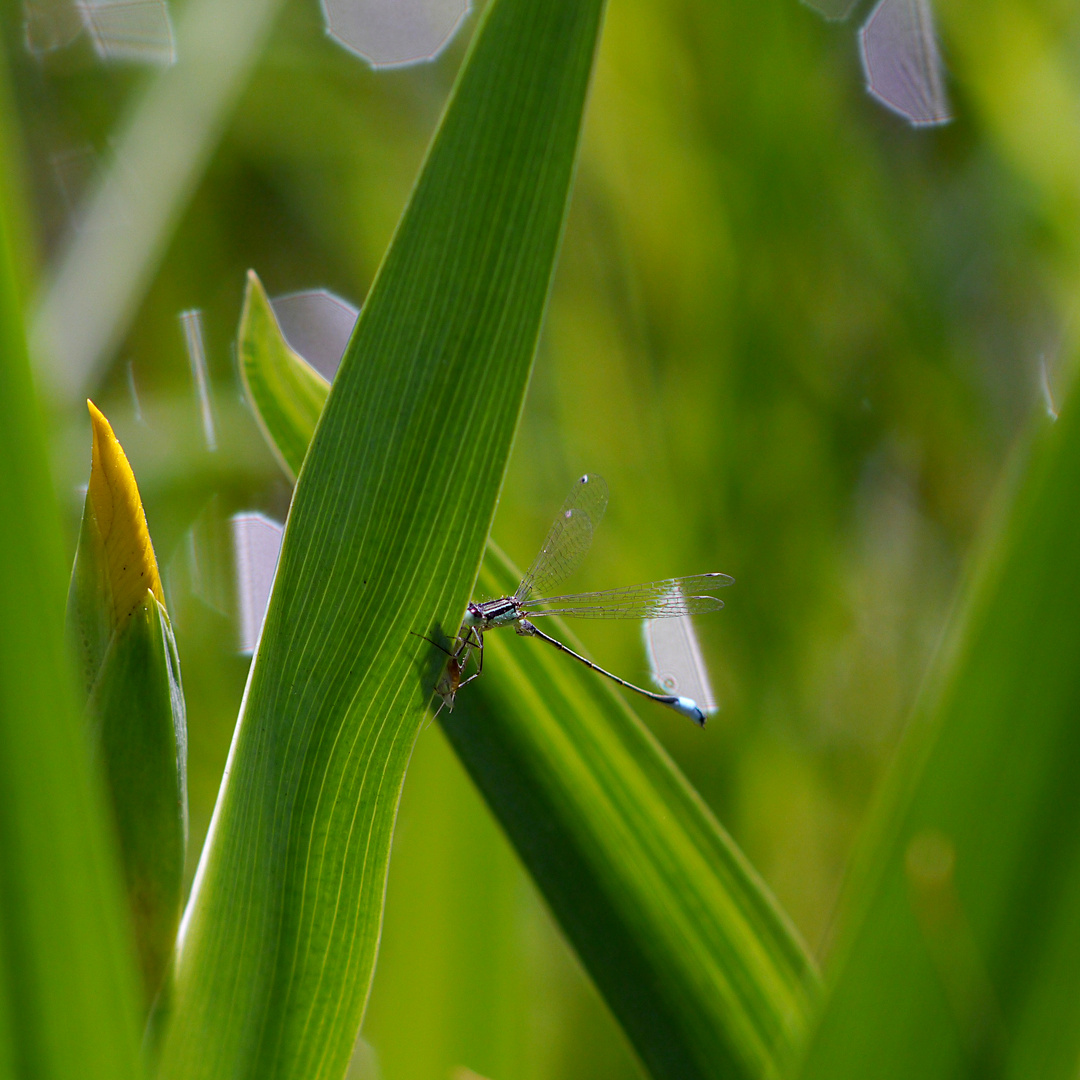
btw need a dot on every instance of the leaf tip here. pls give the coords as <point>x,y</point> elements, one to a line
<point>255,289</point>
<point>113,498</point>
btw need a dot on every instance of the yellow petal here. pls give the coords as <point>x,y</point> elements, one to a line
<point>113,496</point>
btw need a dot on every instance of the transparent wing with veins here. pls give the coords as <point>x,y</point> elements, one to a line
<point>653,600</point>
<point>569,538</point>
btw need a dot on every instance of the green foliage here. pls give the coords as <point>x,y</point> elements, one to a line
<point>702,969</point>
<point>799,339</point>
<point>136,711</point>
<point>286,392</point>
<point>89,622</point>
<point>123,646</point>
<point>67,981</point>
<point>685,942</point>
<point>964,927</point>
<point>280,935</point>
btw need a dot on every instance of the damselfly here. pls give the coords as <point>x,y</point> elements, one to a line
<point>566,544</point>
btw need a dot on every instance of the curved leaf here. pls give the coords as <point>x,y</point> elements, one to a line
<point>287,393</point>
<point>279,939</point>
<point>696,959</point>
<point>692,954</point>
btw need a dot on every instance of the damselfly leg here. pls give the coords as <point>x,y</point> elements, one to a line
<point>451,680</point>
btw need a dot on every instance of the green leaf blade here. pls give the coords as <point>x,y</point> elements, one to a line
<point>964,926</point>
<point>288,394</point>
<point>689,949</point>
<point>89,621</point>
<point>137,712</point>
<point>279,940</point>
<point>67,977</point>
<point>694,957</point>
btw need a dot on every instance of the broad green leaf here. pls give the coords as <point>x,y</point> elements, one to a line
<point>67,977</point>
<point>126,654</point>
<point>286,392</point>
<point>703,970</point>
<point>385,536</point>
<point>963,953</point>
<point>696,960</point>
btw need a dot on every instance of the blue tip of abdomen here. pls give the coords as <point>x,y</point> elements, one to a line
<point>689,708</point>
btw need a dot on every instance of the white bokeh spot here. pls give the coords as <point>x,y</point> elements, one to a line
<point>394,33</point>
<point>902,61</point>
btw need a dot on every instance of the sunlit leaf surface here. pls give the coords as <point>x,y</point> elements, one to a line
<point>686,944</point>
<point>287,392</point>
<point>279,939</point>
<point>693,955</point>
<point>797,337</point>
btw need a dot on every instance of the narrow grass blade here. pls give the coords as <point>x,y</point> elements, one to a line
<point>695,959</point>
<point>67,978</point>
<point>385,535</point>
<point>963,949</point>
<point>702,969</point>
<point>286,392</point>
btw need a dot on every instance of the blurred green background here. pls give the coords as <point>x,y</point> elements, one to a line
<point>797,336</point>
